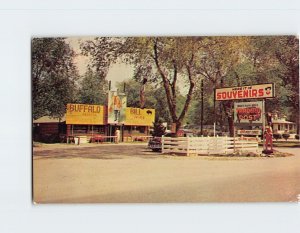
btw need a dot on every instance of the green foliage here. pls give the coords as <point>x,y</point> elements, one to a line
<point>158,130</point>
<point>277,136</point>
<point>132,90</point>
<point>286,136</point>
<point>173,65</point>
<point>54,76</point>
<point>93,89</point>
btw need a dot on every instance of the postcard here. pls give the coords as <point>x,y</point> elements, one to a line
<point>165,119</point>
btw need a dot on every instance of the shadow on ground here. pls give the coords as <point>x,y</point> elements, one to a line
<point>98,152</point>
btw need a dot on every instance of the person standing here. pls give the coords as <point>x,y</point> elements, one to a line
<point>117,134</point>
<point>269,138</point>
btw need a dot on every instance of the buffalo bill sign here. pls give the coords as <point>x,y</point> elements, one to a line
<point>85,114</point>
<point>245,92</point>
<point>248,112</point>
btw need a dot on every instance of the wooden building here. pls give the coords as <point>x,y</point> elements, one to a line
<point>89,123</point>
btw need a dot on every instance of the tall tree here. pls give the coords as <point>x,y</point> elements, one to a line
<point>276,59</point>
<point>170,61</point>
<point>54,76</point>
<point>287,53</point>
<point>93,88</point>
<point>219,56</point>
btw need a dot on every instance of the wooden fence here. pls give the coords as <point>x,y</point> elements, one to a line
<point>207,145</point>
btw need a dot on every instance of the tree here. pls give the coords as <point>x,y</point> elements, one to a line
<point>177,64</point>
<point>287,53</point>
<point>103,51</point>
<point>93,88</point>
<point>159,59</point>
<point>132,92</point>
<point>170,61</point>
<point>158,129</point>
<point>154,98</point>
<point>54,76</point>
<point>220,56</point>
<point>276,59</point>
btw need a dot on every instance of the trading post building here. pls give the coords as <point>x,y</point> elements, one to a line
<point>97,122</point>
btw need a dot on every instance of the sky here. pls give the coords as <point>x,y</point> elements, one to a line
<point>117,72</point>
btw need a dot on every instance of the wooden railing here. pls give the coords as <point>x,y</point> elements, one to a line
<point>207,145</point>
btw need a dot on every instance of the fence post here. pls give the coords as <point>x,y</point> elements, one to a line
<point>234,145</point>
<point>208,144</point>
<point>225,143</point>
<point>242,149</point>
<point>188,146</point>
<point>162,144</point>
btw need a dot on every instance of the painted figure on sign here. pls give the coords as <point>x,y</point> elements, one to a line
<point>269,138</point>
<point>117,105</point>
<point>268,90</point>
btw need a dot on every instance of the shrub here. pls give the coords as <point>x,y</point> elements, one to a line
<point>159,130</point>
<point>297,136</point>
<point>50,138</point>
<point>277,136</point>
<point>286,136</point>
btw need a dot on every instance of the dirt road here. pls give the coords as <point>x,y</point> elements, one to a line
<point>132,173</point>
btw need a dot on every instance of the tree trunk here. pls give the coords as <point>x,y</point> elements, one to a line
<point>178,126</point>
<point>170,88</point>
<point>231,126</point>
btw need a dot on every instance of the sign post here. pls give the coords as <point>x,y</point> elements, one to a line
<point>252,112</point>
<point>264,125</point>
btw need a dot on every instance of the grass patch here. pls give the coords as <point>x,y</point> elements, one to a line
<point>284,144</point>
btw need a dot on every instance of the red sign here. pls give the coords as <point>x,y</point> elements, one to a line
<point>248,112</point>
<point>245,92</point>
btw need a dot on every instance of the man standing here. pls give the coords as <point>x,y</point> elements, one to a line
<point>117,134</point>
<point>269,138</point>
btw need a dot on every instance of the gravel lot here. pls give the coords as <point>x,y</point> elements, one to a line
<point>130,173</point>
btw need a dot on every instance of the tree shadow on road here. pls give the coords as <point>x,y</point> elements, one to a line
<point>103,152</point>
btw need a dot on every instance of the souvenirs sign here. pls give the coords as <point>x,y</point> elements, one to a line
<point>85,114</point>
<point>248,112</point>
<point>245,92</point>
<point>138,116</point>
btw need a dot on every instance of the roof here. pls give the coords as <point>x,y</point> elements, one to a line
<point>281,121</point>
<point>48,119</point>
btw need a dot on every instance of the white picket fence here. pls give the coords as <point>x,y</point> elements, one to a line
<point>207,145</point>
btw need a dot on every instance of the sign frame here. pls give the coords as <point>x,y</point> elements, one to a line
<point>245,87</point>
<point>85,114</point>
<point>116,111</point>
<point>248,106</point>
<point>139,116</point>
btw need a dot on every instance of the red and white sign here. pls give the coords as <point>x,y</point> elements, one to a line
<point>245,92</point>
<point>248,112</point>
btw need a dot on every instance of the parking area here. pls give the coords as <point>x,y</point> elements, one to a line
<point>131,173</point>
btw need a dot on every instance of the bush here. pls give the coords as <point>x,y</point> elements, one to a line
<point>159,130</point>
<point>286,136</point>
<point>297,136</point>
<point>50,138</point>
<point>277,136</point>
